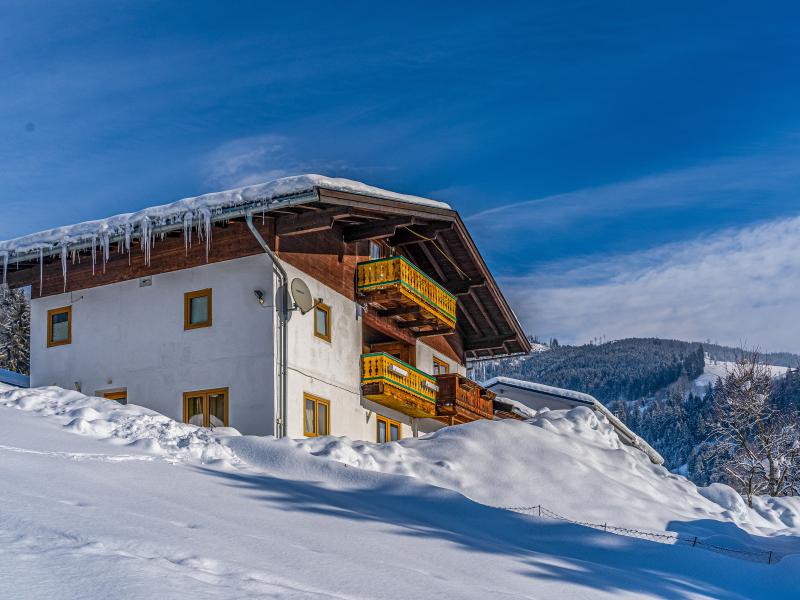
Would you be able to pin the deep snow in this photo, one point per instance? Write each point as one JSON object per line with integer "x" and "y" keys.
{"x": 136, "y": 505}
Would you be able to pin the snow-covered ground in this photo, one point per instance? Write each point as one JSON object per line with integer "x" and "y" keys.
{"x": 718, "y": 369}
{"x": 102, "y": 500}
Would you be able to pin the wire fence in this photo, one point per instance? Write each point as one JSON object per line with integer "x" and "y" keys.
{"x": 662, "y": 537}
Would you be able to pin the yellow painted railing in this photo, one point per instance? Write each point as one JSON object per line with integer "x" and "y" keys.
{"x": 382, "y": 367}
{"x": 396, "y": 272}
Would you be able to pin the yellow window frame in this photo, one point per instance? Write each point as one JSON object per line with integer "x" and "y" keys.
{"x": 50, "y": 314}
{"x": 187, "y": 309}
{"x": 204, "y": 394}
{"x": 388, "y": 422}
{"x": 327, "y": 310}
{"x": 317, "y": 401}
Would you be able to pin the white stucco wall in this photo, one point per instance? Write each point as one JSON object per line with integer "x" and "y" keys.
{"x": 127, "y": 336}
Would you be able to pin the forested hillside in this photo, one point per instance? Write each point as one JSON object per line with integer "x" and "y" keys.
{"x": 621, "y": 370}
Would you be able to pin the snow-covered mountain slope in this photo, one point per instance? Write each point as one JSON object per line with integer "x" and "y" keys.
{"x": 101, "y": 500}
{"x": 718, "y": 369}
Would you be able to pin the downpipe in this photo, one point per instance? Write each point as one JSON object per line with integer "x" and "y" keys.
{"x": 283, "y": 318}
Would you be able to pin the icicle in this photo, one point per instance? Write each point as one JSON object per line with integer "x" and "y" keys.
{"x": 5, "y": 266}
{"x": 104, "y": 239}
{"x": 64, "y": 265}
{"x": 41, "y": 270}
{"x": 206, "y": 216}
{"x": 94, "y": 253}
{"x": 128, "y": 241}
{"x": 144, "y": 229}
{"x": 187, "y": 231}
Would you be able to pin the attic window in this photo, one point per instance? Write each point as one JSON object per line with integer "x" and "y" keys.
{"x": 59, "y": 326}
{"x": 322, "y": 321}
{"x": 197, "y": 309}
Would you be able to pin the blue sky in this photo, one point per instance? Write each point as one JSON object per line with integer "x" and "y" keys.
{"x": 593, "y": 147}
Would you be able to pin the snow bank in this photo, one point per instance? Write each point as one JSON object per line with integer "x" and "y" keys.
{"x": 129, "y": 425}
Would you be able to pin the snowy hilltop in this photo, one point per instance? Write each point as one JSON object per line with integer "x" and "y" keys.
{"x": 105, "y": 500}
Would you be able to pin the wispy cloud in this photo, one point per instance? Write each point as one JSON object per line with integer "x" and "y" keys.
{"x": 735, "y": 285}
{"x": 256, "y": 159}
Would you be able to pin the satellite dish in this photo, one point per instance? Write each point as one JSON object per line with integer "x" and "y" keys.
{"x": 301, "y": 295}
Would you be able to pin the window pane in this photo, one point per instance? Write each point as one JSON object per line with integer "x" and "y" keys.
{"x": 394, "y": 432}
{"x": 381, "y": 431}
{"x": 59, "y": 327}
{"x": 198, "y": 310}
{"x": 322, "y": 419}
{"x": 321, "y": 322}
{"x": 309, "y": 426}
{"x": 194, "y": 410}
{"x": 374, "y": 251}
{"x": 216, "y": 410}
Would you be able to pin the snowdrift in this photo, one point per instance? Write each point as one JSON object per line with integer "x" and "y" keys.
{"x": 212, "y": 514}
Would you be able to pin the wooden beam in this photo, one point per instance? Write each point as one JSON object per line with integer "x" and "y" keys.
{"x": 400, "y": 310}
{"x": 416, "y": 323}
{"x": 462, "y": 287}
{"x": 406, "y": 236}
{"x": 472, "y": 343}
{"x": 439, "y": 331}
{"x": 309, "y": 222}
{"x": 374, "y": 231}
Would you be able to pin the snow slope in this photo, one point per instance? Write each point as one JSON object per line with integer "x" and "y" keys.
{"x": 101, "y": 500}
{"x": 718, "y": 369}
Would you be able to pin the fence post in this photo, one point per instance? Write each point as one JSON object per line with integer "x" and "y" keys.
{"x": 769, "y": 558}
{"x": 694, "y": 543}
{"x": 605, "y": 526}
{"x": 540, "y": 510}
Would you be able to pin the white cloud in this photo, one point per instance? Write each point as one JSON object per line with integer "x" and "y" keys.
{"x": 735, "y": 286}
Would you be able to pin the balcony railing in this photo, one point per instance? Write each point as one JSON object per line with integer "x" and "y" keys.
{"x": 461, "y": 400}
{"x": 401, "y": 289}
{"x": 395, "y": 384}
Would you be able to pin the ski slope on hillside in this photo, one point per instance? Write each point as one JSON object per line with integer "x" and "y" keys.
{"x": 101, "y": 500}
{"x": 718, "y": 369}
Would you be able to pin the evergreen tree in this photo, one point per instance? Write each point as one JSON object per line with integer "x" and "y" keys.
{"x": 15, "y": 319}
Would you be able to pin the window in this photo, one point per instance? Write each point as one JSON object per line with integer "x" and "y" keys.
{"x": 118, "y": 396}
{"x": 316, "y": 416}
{"x": 440, "y": 367}
{"x": 197, "y": 309}
{"x": 206, "y": 408}
{"x": 375, "y": 250}
{"x": 59, "y": 326}
{"x": 388, "y": 430}
{"x": 322, "y": 321}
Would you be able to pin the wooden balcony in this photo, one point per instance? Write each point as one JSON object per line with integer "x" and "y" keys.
{"x": 461, "y": 400}
{"x": 395, "y": 384}
{"x": 398, "y": 289}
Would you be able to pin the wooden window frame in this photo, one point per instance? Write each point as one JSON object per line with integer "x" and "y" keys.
{"x": 327, "y": 310}
{"x": 317, "y": 401}
{"x": 187, "y": 309}
{"x": 438, "y": 362}
{"x": 116, "y": 395}
{"x": 50, "y": 314}
{"x": 205, "y": 394}
{"x": 389, "y": 422}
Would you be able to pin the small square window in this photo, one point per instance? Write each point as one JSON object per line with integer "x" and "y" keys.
{"x": 197, "y": 309}
{"x": 59, "y": 326}
{"x": 375, "y": 250}
{"x": 118, "y": 396}
{"x": 317, "y": 418}
{"x": 322, "y": 322}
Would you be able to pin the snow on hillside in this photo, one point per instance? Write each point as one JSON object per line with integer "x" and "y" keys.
{"x": 718, "y": 369}
{"x": 102, "y": 500}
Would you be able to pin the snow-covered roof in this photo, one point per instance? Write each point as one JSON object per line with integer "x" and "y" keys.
{"x": 199, "y": 210}
{"x": 542, "y": 389}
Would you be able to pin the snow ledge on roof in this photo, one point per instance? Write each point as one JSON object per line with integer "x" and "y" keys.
{"x": 196, "y": 210}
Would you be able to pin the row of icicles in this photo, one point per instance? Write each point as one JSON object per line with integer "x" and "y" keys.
{"x": 102, "y": 242}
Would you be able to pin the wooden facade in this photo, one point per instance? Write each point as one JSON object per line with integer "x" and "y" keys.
{"x": 461, "y": 400}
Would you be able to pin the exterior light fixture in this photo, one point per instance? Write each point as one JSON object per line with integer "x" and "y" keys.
{"x": 260, "y": 295}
